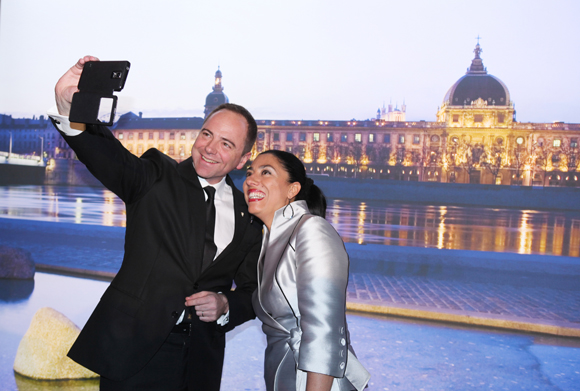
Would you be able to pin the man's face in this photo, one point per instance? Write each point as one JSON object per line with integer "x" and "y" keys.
{"x": 219, "y": 146}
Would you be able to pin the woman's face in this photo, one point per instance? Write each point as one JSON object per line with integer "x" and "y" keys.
{"x": 267, "y": 189}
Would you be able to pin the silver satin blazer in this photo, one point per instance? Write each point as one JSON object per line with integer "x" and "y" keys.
{"x": 301, "y": 300}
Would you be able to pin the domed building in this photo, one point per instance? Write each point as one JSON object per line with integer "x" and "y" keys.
{"x": 477, "y": 99}
{"x": 217, "y": 97}
{"x": 475, "y": 139}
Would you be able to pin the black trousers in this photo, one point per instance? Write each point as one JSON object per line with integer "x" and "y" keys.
{"x": 167, "y": 370}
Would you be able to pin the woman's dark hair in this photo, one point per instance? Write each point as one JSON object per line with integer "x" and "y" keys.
{"x": 309, "y": 192}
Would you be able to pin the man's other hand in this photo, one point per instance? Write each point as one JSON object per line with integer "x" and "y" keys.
{"x": 209, "y": 306}
{"x": 67, "y": 85}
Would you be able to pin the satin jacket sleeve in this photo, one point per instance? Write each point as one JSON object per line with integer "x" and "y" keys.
{"x": 321, "y": 280}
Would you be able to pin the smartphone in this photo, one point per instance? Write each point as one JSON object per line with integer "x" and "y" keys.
{"x": 95, "y": 102}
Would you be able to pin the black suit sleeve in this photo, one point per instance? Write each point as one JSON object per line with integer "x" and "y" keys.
{"x": 126, "y": 175}
{"x": 240, "y": 299}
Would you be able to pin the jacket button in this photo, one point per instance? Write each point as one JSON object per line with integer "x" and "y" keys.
{"x": 195, "y": 286}
{"x": 175, "y": 314}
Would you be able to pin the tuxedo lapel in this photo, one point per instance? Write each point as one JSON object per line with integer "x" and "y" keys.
{"x": 197, "y": 222}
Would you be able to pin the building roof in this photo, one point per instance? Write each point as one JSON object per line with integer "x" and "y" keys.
{"x": 131, "y": 121}
{"x": 477, "y": 83}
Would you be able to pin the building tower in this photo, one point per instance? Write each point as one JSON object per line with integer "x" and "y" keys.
{"x": 217, "y": 97}
{"x": 477, "y": 99}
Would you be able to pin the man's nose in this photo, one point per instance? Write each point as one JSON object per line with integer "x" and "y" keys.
{"x": 210, "y": 147}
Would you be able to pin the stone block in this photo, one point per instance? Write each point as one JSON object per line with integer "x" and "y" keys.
{"x": 16, "y": 263}
{"x": 42, "y": 353}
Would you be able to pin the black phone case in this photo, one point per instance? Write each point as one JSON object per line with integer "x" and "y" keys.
{"x": 98, "y": 80}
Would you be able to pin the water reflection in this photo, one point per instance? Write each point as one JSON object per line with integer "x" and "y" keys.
{"x": 363, "y": 222}
{"x": 81, "y": 205}
{"x": 455, "y": 227}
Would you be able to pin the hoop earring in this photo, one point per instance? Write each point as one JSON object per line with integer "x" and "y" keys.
{"x": 284, "y": 211}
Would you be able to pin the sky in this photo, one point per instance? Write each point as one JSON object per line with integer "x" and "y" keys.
{"x": 300, "y": 59}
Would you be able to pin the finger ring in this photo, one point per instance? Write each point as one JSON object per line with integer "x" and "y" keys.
{"x": 202, "y": 314}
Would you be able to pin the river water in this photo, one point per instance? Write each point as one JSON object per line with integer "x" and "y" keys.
{"x": 376, "y": 222}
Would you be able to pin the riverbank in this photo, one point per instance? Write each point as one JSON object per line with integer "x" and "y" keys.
{"x": 435, "y": 193}
{"x": 532, "y": 293}
{"x": 74, "y": 173}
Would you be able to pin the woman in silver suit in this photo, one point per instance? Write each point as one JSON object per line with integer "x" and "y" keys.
{"x": 302, "y": 279}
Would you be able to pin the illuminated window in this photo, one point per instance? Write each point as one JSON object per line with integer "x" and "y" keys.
{"x": 358, "y": 137}
{"x": 120, "y": 136}
{"x": 520, "y": 140}
{"x": 401, "y": 139}
{"x": 182, "y": 136}
{"x": 434, "y": 138}
{"x": 371, "y": 138}
{"x": 416, "y": 139}
{"x": 289, "y": 149}
{"x": 573, "y": 143}
{"x": 557, "y": 143}
{"x": 316, "y": 137}
{"x": 329, "y": 137}
{"x": 344, "y": 137}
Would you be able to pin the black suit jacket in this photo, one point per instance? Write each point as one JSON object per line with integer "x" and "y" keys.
{"x": 164, "y": 243}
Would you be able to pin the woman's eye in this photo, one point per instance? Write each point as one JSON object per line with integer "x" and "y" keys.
{"x": 248, "y": 173}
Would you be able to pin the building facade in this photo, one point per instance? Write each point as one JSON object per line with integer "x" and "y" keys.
{"x": 475, "y": 139}
{"x": 31, "y": 136}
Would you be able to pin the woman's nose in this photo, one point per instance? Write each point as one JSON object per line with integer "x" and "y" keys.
{"x": 251, "y": 179}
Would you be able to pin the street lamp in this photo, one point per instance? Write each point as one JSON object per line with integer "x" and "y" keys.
{"x": 41, "y": 149}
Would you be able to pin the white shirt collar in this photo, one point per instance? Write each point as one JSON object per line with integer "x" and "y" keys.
{"x": 219, "y": 187}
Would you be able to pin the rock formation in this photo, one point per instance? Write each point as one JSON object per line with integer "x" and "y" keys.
{"x": 16, "y": 263}
{"x": 42, "y": 351}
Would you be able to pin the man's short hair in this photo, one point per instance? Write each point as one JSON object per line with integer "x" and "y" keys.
{"x": 252, "y": 131}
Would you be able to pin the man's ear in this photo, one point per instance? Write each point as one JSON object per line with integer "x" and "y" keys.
{"x": 243, "y": 160}
{"x": 293, "y": 190}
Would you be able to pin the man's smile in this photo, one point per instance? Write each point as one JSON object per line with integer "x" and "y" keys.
{"x": 205, "y": 159}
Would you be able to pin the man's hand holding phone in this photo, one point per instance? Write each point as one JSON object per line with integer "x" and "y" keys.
{"x": 85, "y": 92}
{"x": 67, "y": 85}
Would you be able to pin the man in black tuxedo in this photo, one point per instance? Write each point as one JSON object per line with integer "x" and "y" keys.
{"x": 161, "y": 323}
